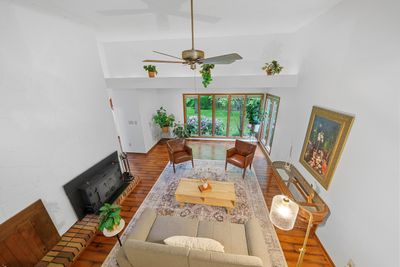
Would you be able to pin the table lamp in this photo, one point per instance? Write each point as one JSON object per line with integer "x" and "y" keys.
{"x": 283, "y": 215}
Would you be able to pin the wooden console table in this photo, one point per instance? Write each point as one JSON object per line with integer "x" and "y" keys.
{"x": 292, "y": 184}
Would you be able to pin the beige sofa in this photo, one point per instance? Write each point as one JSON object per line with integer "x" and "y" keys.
{"x": 144, "y": 247}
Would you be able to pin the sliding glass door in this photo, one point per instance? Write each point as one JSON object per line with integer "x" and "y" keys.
{"x": 271, "y": 113}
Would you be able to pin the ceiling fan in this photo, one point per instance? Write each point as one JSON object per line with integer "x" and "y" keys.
{"x": 193, "y": 56}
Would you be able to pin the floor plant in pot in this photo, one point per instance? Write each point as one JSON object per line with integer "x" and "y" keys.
{"x": 163, "y": 119}
{"x": 272, "y": 68}
{"x": 181, "y": 131}
{"x": 110, "y": 218}
{"x": 254, "y": 115}
{"x": 151, "y": 70}
{"x": 206, "y": 74}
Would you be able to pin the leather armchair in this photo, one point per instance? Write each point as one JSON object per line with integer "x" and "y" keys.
{"x": 179, "y": 152}
{"x": 241, "y": 155}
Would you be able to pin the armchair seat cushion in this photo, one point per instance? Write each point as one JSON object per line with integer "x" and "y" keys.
{"x": 182, "y": 156}
{"x": 237, "y": 160}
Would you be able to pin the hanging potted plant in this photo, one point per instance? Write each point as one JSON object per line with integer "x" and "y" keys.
{"x": 254, "y": 115}
{"x": 272, "y": 68}
{"x": 151, "y": 70}
{"x": 205, "y": 72}
{"x": 110, "y": 219}
{"x": 163, "y": 120}
{"x": 181, "y": 131}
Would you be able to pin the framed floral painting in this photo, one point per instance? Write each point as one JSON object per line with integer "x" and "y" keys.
{"x": 325, "y": 138}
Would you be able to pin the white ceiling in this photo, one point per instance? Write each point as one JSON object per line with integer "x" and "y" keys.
{"x": 157, "y": 19}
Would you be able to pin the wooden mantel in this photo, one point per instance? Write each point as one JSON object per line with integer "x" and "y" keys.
{"x": 219, "y": 82}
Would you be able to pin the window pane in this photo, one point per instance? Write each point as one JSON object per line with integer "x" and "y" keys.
{"x": 273, "y": 123}
{"x": 235, "y": 124}
{"x": 268, "y": 110}
{"x": 251, "y": 102}
{"x": 221, "y": 115}
{"x": 206, "y": 106}
{"x": 191, "y": 105}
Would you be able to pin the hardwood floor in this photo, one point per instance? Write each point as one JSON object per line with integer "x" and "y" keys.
{"x": 149, "y": 167}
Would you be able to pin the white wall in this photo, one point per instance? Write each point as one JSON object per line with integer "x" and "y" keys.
{"x": 124, "y": 59}
{"x": 134, "y": 110}
{"x": 54, "y": 116}
{"x": 348, "y": 61}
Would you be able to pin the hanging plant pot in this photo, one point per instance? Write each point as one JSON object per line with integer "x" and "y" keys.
{"x": 165, "y": 129}
{"x": 151, "y": 70}
{"x": 269, "y": 72}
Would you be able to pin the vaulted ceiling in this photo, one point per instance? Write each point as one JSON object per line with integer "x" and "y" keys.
{"x": 157, "y": 19}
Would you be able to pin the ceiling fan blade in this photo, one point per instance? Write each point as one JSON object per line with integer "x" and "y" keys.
{"x": 163, "y": 61}
{"x": 123, "y": 12}
{"x": 224, "y": 59}
{"x": 164, "y": 54}
{"x": 199, "y": 17}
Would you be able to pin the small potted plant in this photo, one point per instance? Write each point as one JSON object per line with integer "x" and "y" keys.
{"x": 206, "y": 74}
{"x": 181, "y": 131}
{"x": 110, "y": 218}
{"x": 254, "y": 115}
{"x": 272, "y": 68}
{"x": 163, "y": 119}
{"x": 151, "y": 70}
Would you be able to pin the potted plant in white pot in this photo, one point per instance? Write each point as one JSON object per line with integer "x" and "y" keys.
{"x": 254, "y": 114}
{"x": 163, "y": 119}
{"x": 111, "y": 222}
{"x": 272, "y": 68}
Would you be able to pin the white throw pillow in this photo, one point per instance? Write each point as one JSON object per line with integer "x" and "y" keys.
{"x": 200, "y": 243}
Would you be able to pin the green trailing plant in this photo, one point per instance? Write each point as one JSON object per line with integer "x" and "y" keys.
{"x": 109, "y": 216}
{"x": 150, "y": 68}
{"x": 205, "y": 72}
{"x": 163, "y": 119}
{"x": 182, "y": 130}
{"x": 272, "y": 68}
{"x": 253, "y": 112}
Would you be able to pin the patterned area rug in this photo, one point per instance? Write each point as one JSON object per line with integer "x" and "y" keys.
{"x": 250, "y": 202}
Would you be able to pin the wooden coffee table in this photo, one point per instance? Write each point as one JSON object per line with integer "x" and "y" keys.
{"x": 222, "y": 194}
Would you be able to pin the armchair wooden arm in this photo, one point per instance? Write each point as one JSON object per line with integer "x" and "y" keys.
{"x": 188, "y": 149}
{"x": 230, "y": 152}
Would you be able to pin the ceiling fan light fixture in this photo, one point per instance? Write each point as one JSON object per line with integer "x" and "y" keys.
{"x": 192, "y": 54}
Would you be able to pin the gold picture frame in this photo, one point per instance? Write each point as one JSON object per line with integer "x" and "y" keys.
{"x": 326, "y": 136}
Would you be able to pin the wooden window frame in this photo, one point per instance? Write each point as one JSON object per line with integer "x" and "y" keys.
{"x": 228, "y": 95}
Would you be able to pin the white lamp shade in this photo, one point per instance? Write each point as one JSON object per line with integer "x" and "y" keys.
{"x": 283, "y": 212}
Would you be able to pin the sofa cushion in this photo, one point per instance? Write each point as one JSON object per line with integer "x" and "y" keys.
{"x": 256, "y": 243}
{"x": 143, "y": 225}
{"x": 198, "y": 258}
{"x": 231, "y": 235}
{"x": 166, "y": 226}
{"x": 200, "y": 243}
{"x": 146, "y": 254}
